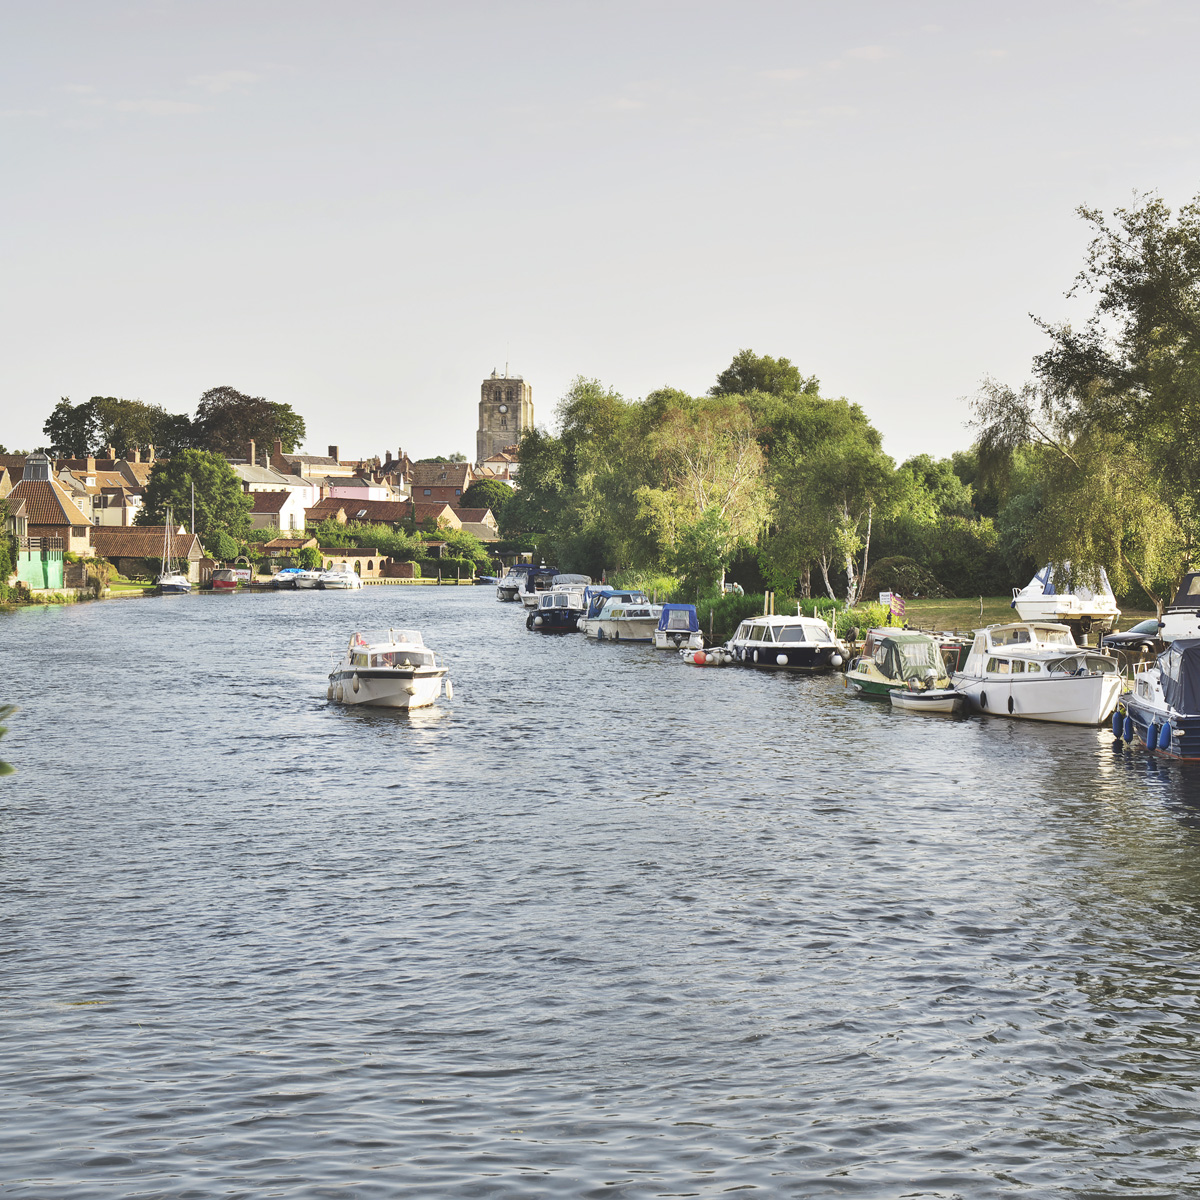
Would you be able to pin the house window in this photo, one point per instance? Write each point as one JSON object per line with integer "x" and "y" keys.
{"x": 428, "y": 492}
{"x": 78, "y": 530}
{"x": 370, "y": 565}
{"x": 458, "y": 491}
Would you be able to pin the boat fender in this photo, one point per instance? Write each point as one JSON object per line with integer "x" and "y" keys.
{"x": 700, "y": 658}
{"x": 329, "y": 692}
{"x": 756, "y": 656}
{"x": 837, "y": 660}
{"x": 781, "y": 659}
{"x": 354, "y": 683}
{"x": 449, "y": 690}
{"x": 1164, "y": 738}
{"x": 616, "y": 637}
{"x": 1152, "y": 735}
{"x": 537, "y": 620}
{"x": 529, "y": 621}
{"x": 983, "y": 701}
{"x": 338, "y": 693}
{"x": 1011, "y": 706}
{"x": 1128, "y": 730}
{"x": 1117, "y": 722}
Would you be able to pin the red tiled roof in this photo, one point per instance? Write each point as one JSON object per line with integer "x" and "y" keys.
{"x": 441, "y": 475}
{"x": 48, "y": 503}
{"x": 477, "y": 516}
{"x": 269, "y": 502}
{"x": 141, "y": 541}
{"x": 351, "y": 551}
{"x": 384, "y": 511}
{"x": 289, "y": 543}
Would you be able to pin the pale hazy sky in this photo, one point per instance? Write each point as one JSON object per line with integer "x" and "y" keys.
{"x": 361, "y": 208}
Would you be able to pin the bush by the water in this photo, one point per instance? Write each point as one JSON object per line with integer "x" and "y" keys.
{"x": 450, "y": 568}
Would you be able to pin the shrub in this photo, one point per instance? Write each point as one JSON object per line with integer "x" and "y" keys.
{"x": 449, "y": 567}
{"x": 903, "y": 575}
{"x": 726, "y": 613}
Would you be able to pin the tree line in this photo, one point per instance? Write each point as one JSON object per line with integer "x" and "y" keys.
{"x": 225, "y": 422}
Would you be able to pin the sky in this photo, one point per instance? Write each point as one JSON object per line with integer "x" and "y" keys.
{"x": 362, "y": 209}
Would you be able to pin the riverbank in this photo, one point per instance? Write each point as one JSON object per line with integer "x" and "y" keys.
{"x": 967, "y": 615}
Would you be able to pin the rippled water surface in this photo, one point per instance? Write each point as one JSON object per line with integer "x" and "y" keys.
{"x": 604, "y": 925}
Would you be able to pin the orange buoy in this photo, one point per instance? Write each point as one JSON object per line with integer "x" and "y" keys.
{"x": 699, "y": 658}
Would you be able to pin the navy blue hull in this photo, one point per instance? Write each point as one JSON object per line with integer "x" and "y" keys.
{"x": 555, "y": 620}
{"x": 799, "y": 657}
{"x": 1185, "y": 731}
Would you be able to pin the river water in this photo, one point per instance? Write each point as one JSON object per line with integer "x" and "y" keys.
{"x": 604, "y": 925}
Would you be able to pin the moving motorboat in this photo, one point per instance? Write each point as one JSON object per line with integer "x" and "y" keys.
{"x": 678, "y": 627}
{"x": 389, "y": 668}
{"x": 342, "y": 578}
{"x": 560, "y": 608}
{"x": 787, "y": 644}
{"x": 897, "y": 659}
{"x": 620, "y": 616}
{"x": 1035, "y": 671}
{"x": 1163, "y": 709}
{"x": 1084, "y": 609}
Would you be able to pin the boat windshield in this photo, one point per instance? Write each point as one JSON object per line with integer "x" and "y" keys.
{"x": 1082, "y": 664}
{"x": 370, "y": 638}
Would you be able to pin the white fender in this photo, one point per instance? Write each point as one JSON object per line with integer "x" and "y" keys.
{"x": 354, "y": 683}
{"x": 338, "y": 693}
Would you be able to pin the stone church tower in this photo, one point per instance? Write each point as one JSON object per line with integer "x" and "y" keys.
{"x": 505, "y": 412}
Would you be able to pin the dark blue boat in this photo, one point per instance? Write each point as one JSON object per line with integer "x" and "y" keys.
{"x": 1163, "y": 710}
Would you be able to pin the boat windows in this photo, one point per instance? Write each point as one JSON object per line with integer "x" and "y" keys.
{"x": 1011, "y": 637}
{"x": 1018, "y": 667}
{"x": 1194, "y": 586}
{"x": 792, "y": 633}
{"x": 1033, "y": 668}
{"x": 980, "y": 646}
{"x": 679, "y": 618}
{"x": 997, "y": 666}
{"x": 740, "y": 636}
{"x": 758, "y": 633}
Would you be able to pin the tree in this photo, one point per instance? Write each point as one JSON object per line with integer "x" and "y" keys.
{"x": 78, "y": 430}
{"x": 487, "y": 493}
{"x": 72, "y": 429}
{"x": 222, "y": 546}
{"x": 221, "y": 505}
{"x": 750, "y": 372}
{"x": 228, "y": 420}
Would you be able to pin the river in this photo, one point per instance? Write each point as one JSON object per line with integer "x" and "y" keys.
{"x": 603, "y": 925}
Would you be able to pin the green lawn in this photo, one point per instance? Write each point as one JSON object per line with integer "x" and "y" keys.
{"x": 964, "y": 615}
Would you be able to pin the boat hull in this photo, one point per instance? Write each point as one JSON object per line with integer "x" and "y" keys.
{"x": 1184, "y": 743}
{"x": 386, "y": 687}
{"x": 174, "y": 589}
{"x": 664, "y": 639}
{"x": 939, "y": 700}
{"x": 631, "y": 629}
{"x": 800, "y": 657}
{"x": 506, "y": 592}
{"x": 1069, "y": 700}
{"x": 1067, "y": 610}
{"x": 554, "y": 620}
{"x": 872, "y": 688}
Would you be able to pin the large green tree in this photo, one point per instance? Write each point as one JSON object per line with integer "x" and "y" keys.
{"x": 750, "y": 372}
{"x": 487, "y": 493}
{"x": 221, "y": 505}
{"x": 75, "y": 430}
{"x": 228, "y": 420}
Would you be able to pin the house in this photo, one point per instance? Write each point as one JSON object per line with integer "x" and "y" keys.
{"x": 267, "y": 479}
{"x": 277, "y": 510}
{"x": 435, "y": 513}
{"x": 502, "y": 465}
{"x": 39, "y": 562}
{"x": 440, "y": 482}
{"x": 480, "y": 522}
{"x": 129, "y": 549}
{"x": 310, "y": 465}
{"x": 50, "y": 510}
{"x": 363, "y": 559}
{"x": 369, "y": 512}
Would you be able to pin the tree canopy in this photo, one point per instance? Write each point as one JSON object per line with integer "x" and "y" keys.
{"x": 487, "y": 493}
{"x": 750, "y": 372}
{"x": 221, "y": 505}
{"x": 228, "y": 420}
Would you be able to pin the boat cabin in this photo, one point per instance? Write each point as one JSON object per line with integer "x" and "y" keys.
{"x": 1187, "y": 598}
{"x": 790, "y": 630}
{"x": 388, "y": 648}
{"x": 678, "y": 618}
{"x": 1033, "y": 648}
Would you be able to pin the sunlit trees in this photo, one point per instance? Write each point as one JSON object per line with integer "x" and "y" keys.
{"x": 221, "y": 505}
{"x": 228, "y": 420}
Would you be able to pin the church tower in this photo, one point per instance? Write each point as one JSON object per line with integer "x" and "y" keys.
{"x": 505, "y": 412}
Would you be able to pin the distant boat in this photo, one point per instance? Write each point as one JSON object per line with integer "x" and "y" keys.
{"x": 224, "y": 580}
{"x": 170, "y": 581}
{"x": 342, "y": 578}
{"x": 1083, "y": 609}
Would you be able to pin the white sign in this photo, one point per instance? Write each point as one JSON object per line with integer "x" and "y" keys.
{"x": 885, "y": 598}
{"x": 243, "y": 574}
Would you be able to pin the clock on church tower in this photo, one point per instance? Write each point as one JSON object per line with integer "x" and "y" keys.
{"x": 505, "y": 412}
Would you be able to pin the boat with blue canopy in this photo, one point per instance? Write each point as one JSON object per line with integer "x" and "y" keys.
{"x": 1083, "y": 609}
{"x": 1163, "y": 709}
{"x": 678, "y": 627}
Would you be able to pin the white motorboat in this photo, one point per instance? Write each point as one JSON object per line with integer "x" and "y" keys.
{"x": 388, "y": 668}
{"x": 1085, "y": 608}
{"x": 522, "y": 578}
{"x": 678, "y": 628}
{"x": 342, "y": 578}
{"x": 307, "y": 579}
{"x": 786, "y": 644}
{"x": 626, "y": 616}
{"x": 1034, "y": 670}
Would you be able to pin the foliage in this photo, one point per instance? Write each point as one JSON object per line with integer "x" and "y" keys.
{"x": 724, "y": 613}
{"x": 222, "y": 546}
{"x": 487, "y": 493}
{"x": 750, "y": 372}
{"x": 450, "y": 567}
{"x": 461, "y": 543}
{"x": 861, "y": 617}
{"x": 308, "y": 558}
{"x": 8, "y": 552}
{"x": 6, "y": 711}
{"x": 92, "y": 426}
{"x": 220, "y": 502}
{"x": 100, "y": 574}
{"x": 903, "y": 575}
{"x": 653, "y": 583}
{"x": 228, "y": 420}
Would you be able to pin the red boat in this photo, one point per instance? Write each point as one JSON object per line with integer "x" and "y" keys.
{"x": 224, "y": 580}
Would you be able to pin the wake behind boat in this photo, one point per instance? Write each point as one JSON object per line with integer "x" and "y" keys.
{"x": 388, "y": 668}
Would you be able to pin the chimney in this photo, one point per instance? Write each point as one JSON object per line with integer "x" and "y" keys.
{"x": 389, "y": 457}
{"x": 112, "y": 454}
{"x": 297, "y": 468}
{"x": 252, "y": 452}
{"x": 333, "y": 453}
{"x": 150, "y": 453}
{"x": 91, "y": 464}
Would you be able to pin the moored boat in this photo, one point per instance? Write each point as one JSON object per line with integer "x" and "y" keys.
{"x": 342, "y": 578}
{"x": 388, "y": 668}
{"x": 307, "y": 579}
{"x": 560, "y": 608}
{"x": 620, "y": 616}
{"x": 170, "y": 581}
{"x": 786, "y": 644}
{"x": 1033, "y": 670}
{"x": 897, "y": 659}
{"x": 224, "y": 580}
{"x": 934, "y": 700}
{"x": 1163, "y": 709}
{"x": 678, "y": 628}
{"x": 1181, "y": 618}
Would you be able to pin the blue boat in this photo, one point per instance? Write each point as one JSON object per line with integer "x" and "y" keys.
{"x": 678, "y": 628}
{"x": 560, "y": 608}
{"x": 1163, "y": 710}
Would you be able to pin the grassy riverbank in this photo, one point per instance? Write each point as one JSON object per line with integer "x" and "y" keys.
{"x": 965, "y": 615}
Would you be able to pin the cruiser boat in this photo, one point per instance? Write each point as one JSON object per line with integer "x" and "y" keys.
{"x": 626, "y": 616}
{"x": 894, "y": 660}
{"x": 539, "y": 580}
{"x": 1181, "y": 618}
{"x": 224, "y": 580}
{"x": 516, "y": 580}
{"x": 388, "y": 668}
{"x": 678, "y": 628}
{"x": 1163, "y": 710}
{"x": 1035, "y": 671}
{"x": 560, "y": 608}
{"x": 787, "y": 644}
{"x": 341, "y": 578}
{"x": 1084, "y": 609}
{"x": 307, "y": 579}
{"x": 285, "y": 578}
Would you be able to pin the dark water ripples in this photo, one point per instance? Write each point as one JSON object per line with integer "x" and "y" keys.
{"x": 604, "y": 925}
